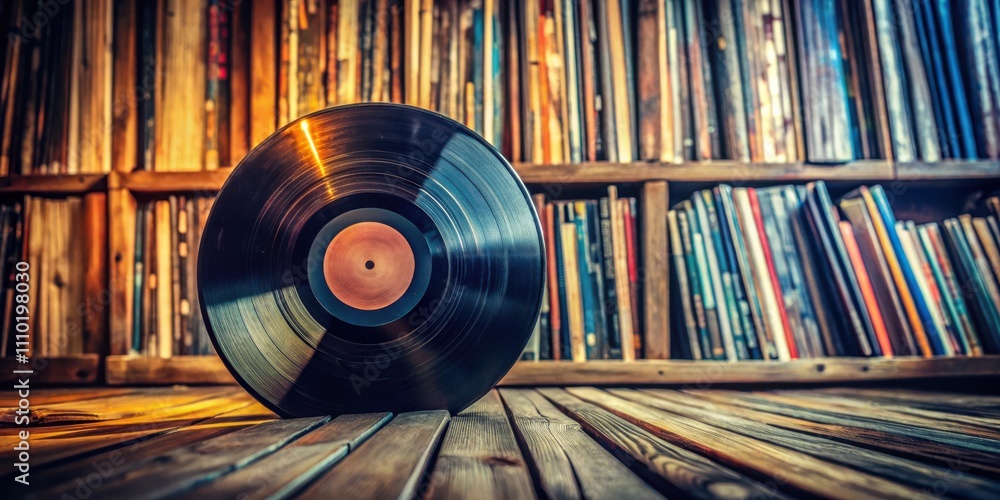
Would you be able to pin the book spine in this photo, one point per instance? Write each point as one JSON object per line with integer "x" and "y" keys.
{"x": 590, "y": 309}
{"x": 684, "y": 216}
{"x": 708, "y": 287}
{"x": 763, "y": 286}
{"x": 868, "y": 293}
{"x": 594, "y": 266}
{"x": 578, "y": 346}
{"x": 947, "y": 292}
{"x": 754, "y": 331}
{"x": 564, "y": 343}
{"x": 944, "y": 343}
{"x": 555, "y": 311}
{"x": 683, "y": 288}
{"x": 785, "y": 342}
{"x": 731, "y": 331}
{"x": 610, "y": 298}
{"x": 927, "y": 330}
{"x": 621, "y": 273}
{"x": 935, "y": 241}
{"x": 631, "y": 248}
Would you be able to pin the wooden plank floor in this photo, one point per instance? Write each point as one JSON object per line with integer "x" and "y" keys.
{"x": 580, "y": 442}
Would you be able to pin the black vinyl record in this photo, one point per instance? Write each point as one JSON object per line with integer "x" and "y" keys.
{"x": 372, "y": 257}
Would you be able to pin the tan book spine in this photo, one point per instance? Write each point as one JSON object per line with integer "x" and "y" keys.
{"x": 533, "y": 118}
{"x": 347, "y": 52}
{"x": 773, "y": 329}
{"x": 180, "y": 129}
{"x": 623, "y": 115}
{"x": 164, "y": 289}
{"x": 574, "y": 300}
{"x": 263, "y": 71}
{"x": 989, "y": 245}
{"x": 920, "y": 274}
{"x": 622, "y": 291}
{"x": 905, "y": 294}
{"x": 980, "y": 257}
{"x": 426, "y": 30}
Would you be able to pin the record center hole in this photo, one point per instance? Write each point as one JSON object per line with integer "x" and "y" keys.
{"x": 369, "y": 265}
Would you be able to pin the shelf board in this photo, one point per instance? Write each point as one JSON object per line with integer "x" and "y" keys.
{"x": 128, "y": 370}
{"x": 945, "y": 170}
{"x": 53, "y": 184}
{"x": 151, "y": 181}
{"x": 77, "y": 369}
{"x": 725, "y": 171}
{"x": 685, "y": 372}
{"x": 734, "y": 172}
{"x": 191, "y": 370}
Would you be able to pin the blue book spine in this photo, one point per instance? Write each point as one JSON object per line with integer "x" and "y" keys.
{"x": 911, "y": 281}
{"x": 586, "y": 285}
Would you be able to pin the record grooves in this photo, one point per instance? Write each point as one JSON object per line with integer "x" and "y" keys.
{"x": 373, "y": 257}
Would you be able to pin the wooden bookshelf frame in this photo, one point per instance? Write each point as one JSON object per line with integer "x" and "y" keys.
{"x": 121, "y": 188}
{"x": 131, "y": 370}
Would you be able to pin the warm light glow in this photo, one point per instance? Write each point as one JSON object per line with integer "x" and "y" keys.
{"x": 312, "y": 146}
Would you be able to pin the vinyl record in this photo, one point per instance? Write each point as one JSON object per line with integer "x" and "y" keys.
{"x": 372, "y": 257}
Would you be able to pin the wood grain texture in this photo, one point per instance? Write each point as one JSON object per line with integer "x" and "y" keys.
{"x": 778, "y": 466}
{"x": 125, "y": 109}
{"x": 168, "y": 413}
{"x": 263, "y": 70}
{"x": 121, "y": 269}
{"x": 287, "y": 470}
{"x": 972, "y": 435}
{"x": 121, "y": 370}
{"x": 184, "y": 468}
{"x": 707, "y": 373}
{"x": 479, "y": 456}
{"x": 656, "y": 270}
{"x": 53, "y": 184}
{"x": 390, "y": 465}
{"x": 818, "y": 413}
{"x": 670, "y": 467}
{"x": 904, "y": 445}
{"x": 565, "y": 461}
{"x": 92, "y": 322}
{"x": 69, "y": 369}
{"x": 902, "y": 470}
{"x": 967, "y": 424}
{"x": 61, "y": 479}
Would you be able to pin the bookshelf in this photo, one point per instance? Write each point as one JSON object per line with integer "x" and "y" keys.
{"x": 119, "y": 368}
{"x": 260, "y": 95}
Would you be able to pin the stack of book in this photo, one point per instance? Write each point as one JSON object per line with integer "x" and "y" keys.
{"x": 55, "y": 96}
{"x": 167, "y": 319}
{"x": 52, "y": 236}
{"x": 591, "y": 307}
{"x": 778, "y": 273}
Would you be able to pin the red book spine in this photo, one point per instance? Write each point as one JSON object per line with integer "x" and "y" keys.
{"x": 793, "y": 351}
{"x": 555, "y": 319}
{"x": 633, "y": 272}
{"x": 867, "y": 292}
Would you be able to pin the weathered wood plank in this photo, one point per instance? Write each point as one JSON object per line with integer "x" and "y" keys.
{"x": 707, "y": 373}
{"x": 390, "y": 465}
{"x": 565, "y": 461}
{"x": 110, "y": 407}
{"x": 955, "y": 457}
{"x": 172, "y": 402}
{"x": 919, "y": 398}
{"x": 784, "y": 467}
{"x": 287, "y": 470}
{"x": 903, "y": 470}
{"x": 63, "y": 370}
{"x": 53, "y": 395}
{"x": 57, "y": 446}
{"x": 182, "y": 469}
{"x": 985, "y": 426}
{"x": 479, "y": 456}
{"x": 671, "y": 468}
{"x": 92, "y": 470}
{"x": 881, "y": 420}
